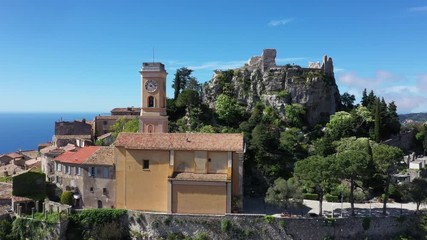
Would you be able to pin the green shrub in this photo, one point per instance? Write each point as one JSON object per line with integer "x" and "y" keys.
{"x": 311, "y": 196}
{"x": 331, "y": 198}
{"x": 67, "y": 198}
{"x": 225, "y": 225}
{"x": 394, "y": 193}
{"x": 201, "y": 236}
{"x": 283, "y": 94}
{"x": 88, "y": 224}
{"x": 360, "y": 197}
{"x": 5, "y": 229}
{"x": 269, "y": 219}
{"x": 30, "y": 184}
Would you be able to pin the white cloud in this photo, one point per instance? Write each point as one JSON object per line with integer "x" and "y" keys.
{"x": 275, "y": 23}
{"x": 408, "y": 95}
{"x": 407, "y": 103}
{"x": 418, "y": 9}
{"x": 351, "y": 79}
{"x": 401, "y": 90}
{"x": 422, "y": 82}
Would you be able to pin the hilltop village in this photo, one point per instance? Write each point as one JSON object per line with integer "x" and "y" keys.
{"x": 223, "y": 148}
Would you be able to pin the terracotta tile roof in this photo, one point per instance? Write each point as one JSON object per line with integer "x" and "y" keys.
{"x": 5, "y": 190}
{"x": 182, "y": 141}
{"x": 211, "y": 177}
{"x": 79, "y": 156}
{"x": 103, "y": 156}
{"x": 129, "y": 109}
{"x": 115, "y": 117}
{"x": 15, "y": 155}
{"x": 32, "y": 162}
{"x": 48, "y": 149}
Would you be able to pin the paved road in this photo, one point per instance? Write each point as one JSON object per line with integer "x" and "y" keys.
{"x": 363, "y": 209}
{"x": 257, "y": 206}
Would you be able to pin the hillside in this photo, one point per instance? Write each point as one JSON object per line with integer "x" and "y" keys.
{"x": 418, "y": 117}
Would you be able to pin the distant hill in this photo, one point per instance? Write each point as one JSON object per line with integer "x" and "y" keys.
{"x": 419, "y": 117}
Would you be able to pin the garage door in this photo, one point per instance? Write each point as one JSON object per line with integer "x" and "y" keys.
{"x": 210, "y": 199}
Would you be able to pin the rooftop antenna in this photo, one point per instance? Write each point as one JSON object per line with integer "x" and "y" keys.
{"x": 153, "y": 54}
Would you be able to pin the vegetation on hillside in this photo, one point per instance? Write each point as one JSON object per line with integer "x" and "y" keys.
{"x": 345, "y": 155}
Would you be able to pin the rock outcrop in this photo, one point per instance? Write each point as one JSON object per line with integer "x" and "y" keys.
{"x": 262, "y": 80}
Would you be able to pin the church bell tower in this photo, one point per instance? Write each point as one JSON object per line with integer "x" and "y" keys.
{"x": 153, "y": 117}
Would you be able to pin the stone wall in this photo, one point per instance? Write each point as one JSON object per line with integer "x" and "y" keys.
{"x": 154, "y": 226}
{"x": 73, "y": 128}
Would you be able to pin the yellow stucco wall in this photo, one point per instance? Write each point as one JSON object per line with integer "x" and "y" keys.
{"x": 184, "y": 161}
{"x": 218, "y": 162}
{"x": 140, "y": 189}
{"x": 206, "y": 199}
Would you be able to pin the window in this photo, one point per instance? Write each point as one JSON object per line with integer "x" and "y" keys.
{"x": 67, "y": 169}
{"x": 105, "y": 122}
{"x": 91, "y": 189}
{"x": 150, "y": 101}
{"x": 58, "y": 167}
{"x": 146, "y": 164}
{"x": 92, "y": 172}
{"x": 104, "y": 191}
{"x": 106, "y": 172}
{"x": 78, "y": 171}
{"x": 150, "y": 128}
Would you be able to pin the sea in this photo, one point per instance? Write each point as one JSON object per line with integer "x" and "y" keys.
{"x": 25, "y": 131}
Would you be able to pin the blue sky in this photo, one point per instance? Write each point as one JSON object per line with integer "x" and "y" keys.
{"x": 84, "y": 56}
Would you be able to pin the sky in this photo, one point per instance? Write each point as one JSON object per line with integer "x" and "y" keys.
{"x": 85, "y": 55}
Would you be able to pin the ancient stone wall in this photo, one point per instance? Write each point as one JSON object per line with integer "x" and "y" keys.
{"x": 152, "y": 226}
{"x": 268, "y": 59}
{"x": 73, "y": 128}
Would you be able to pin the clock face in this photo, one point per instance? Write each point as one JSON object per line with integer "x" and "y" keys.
{"x": 151, "y": 86}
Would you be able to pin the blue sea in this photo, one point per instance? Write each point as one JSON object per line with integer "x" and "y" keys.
{"x": 24, "y": 131}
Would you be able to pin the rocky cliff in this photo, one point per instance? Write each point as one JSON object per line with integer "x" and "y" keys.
{"x": 262, "y": 80}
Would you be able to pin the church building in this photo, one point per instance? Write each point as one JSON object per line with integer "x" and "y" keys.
{"x": 175, "y": 172}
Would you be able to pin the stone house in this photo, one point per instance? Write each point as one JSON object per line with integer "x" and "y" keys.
{"x": 73, "y": 128}
{"x": 5, "y": 159}
{"x": 78, "y": 140}
{"x": 179, "y": 172}
{"x": 47, "y": 156}
{"x": 89, "y": 173}
{"x": 17, "y": 159}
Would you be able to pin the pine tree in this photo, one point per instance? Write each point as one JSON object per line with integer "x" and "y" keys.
{"x": 377, "y": 132}
{"x": 364, "y": 98}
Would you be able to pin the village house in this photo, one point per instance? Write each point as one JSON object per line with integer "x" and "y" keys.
{"x": 89, "y": 173}
{"x": 103, "y": 124}
{"x": 152, "y": 170}
{"x": 78, "y": 133}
